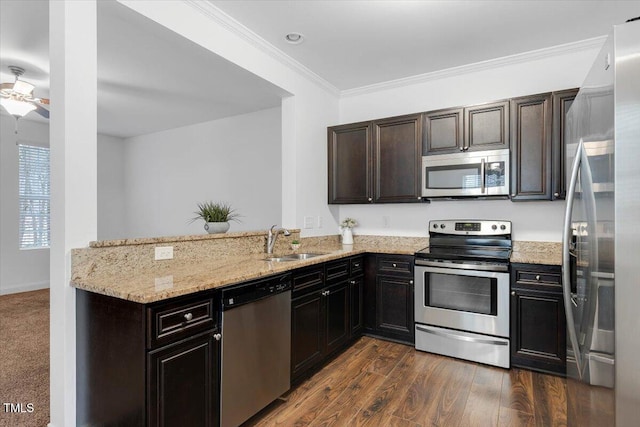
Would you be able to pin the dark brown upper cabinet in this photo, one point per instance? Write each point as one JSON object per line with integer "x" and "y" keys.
{"x": 350, "y": 163}
{"x": 486, "y": 126}
{"x": 561, "y": 103}
{"x": 478, "y": 127}
{"x": 443, "y": 131}
{"x": 397, "y": 159}
{"x": 375, "y": 162}
{"x": 531, "y": 176}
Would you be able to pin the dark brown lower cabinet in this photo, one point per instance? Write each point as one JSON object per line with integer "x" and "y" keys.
{"x": 337, "y": 316}
{"x": 307, "y": 333}
{"x": 147, "y": 364}
{"x": 182, "y": 383}
{"x": 538, "y": 325}
{"x": 394, "y": 307}
{"x": 356, "y": 290}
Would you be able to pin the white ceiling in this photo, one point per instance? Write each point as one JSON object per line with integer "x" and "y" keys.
{"x": 357, "y": 43}
{"x": 151, "y": 79}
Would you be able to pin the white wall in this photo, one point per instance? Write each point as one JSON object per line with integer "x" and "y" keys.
{"x": 236, "y": 160}
{"x": 111, "y": 188}
{"x": 20, "y": 270}
{"x": 541, "y": 220}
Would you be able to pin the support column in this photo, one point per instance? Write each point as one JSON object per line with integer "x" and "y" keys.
{"x": 73, "y": 131}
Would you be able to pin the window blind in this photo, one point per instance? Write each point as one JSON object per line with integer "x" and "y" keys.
{"x": 34, "y": 191}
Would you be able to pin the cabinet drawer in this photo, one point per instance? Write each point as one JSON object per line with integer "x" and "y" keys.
{"x": 337, "y": 270}
{"x": 395, "y": 265}
{"x": 173, "y": 321}
{"x": 532, "y": 276}
{"x": 307, "y": 280}
{"x": 357, "y": 266}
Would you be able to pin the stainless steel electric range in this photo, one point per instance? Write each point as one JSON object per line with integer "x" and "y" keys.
{"x": 462, "y": 291}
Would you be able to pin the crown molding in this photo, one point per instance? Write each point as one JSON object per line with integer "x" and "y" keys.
{"x": 229, "y": 23}
{"x": 533, "y": 55}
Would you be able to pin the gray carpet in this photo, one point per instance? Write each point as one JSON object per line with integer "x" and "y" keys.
{"x": 24, "y": 359}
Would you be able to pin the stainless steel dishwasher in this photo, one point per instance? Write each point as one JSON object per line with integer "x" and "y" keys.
{"x": 256, "y": 347}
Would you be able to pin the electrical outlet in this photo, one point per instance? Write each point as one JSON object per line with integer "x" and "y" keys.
{"x": 308, "y": 222}
{"x": 164, "y": 252}
{"x": 386, "y": 221}
{"x": 320, "y": 221}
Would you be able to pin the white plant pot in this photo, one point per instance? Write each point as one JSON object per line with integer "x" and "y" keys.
{"x": 347, "y": 236}
{"x": 295, "y": 246}
{"x": 217, "y": 227}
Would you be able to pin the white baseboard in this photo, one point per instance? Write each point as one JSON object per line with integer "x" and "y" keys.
{"x": 14, "y": 289}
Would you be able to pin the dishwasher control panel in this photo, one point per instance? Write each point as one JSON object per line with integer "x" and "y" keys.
{"x": 255, "y": 290}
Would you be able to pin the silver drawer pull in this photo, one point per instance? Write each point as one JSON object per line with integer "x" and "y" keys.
{"x": 217, "y": 337}
{"x": 394, "y": 265}
{"x": 353, "y": 282}
{"x": 356, "y": 264}
{"x": 188, "y": 316}
{"x": 462, "y": 337}
{"x": 538, "y": 277}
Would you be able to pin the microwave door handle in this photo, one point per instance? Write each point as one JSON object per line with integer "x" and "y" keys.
{"x": 482, "y": 177}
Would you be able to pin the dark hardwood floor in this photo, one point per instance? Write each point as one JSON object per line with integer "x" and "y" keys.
{"x": 380, "y": 383}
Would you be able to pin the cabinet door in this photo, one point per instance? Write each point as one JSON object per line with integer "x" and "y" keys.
{"x": 394, "y": 308}
{"x": 531, "y": 148}
{"x": 397, "y": 159}
{"x": 350, "y": 176}
{"x": 486, "y": 126}
{"x": 337, "y": 316}
{"x": 182, "y": 383}
{"x": 356, "y": 286}
{"x": 307, "y": 332}
{"x": 443, "y": 131}
{"x": 561, "y": 103}
{"x": 538, "y": 330}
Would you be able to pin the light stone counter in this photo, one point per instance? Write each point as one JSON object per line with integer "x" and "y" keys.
{"x": 126, "y": 269}
{"x": 129, "y": 272}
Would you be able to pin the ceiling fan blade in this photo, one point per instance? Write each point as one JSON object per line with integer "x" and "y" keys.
{"x": 6, "y": 86}
{"x": 44, "y": 101}
{"x": 42, "y": 111}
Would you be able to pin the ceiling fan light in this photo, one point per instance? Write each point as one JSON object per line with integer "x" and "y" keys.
{"x": 17, "y": 108}
{"x": 22, "y": 87}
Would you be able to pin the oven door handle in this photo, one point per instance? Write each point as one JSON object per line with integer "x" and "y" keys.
{"x": 461, "y": 337}
{"x": 482, "y": 177}
{"x": 454, "y": 265}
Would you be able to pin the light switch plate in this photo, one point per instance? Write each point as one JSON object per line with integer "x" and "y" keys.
{"x": 308, "y": 222}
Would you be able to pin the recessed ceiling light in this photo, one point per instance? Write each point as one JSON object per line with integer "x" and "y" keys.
{"x": 294, "y": 38}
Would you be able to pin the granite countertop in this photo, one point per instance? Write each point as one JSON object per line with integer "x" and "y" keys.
{"x": 146, "y": 282}
{"x": 171, "y": 279}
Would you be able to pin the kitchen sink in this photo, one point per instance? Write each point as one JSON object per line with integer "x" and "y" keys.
{"x": 293, "y": 257}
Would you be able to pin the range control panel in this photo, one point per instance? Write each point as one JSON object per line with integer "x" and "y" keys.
{"x": 470, "y": 227}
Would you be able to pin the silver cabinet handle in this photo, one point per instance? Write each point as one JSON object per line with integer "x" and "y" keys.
{"x": 513, "y": 293}
{"x": 394, "y": 265}
{"x": 217, "y": 337}
{"x": 513, "y": 194}
{"x": 538, "y": 277}
{"x": 370, "y": 199}
{"x": 357, "y": 264}
{"x": 461, "y": 148}
{"x": 188, "y": 316}
{"x": 556, "y": 194}
{"x": 411, "y": 282}
{"x": 353, "y": 282}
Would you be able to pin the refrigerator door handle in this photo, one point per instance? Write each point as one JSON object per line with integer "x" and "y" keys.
{"x": 566, "y": 266}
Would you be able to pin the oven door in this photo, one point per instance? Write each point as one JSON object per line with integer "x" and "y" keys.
{"x": 466, "y": 174}
{"x": 463, "y": 299}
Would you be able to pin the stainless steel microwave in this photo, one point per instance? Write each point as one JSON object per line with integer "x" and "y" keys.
{"x": 468, "y": 174}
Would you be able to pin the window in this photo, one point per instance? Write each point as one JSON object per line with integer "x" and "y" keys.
{"x": 33, "y": 192}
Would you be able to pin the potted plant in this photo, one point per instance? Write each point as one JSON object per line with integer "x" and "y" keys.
{"x": 295, "y": 245}
{"x": 347, "y": 235}
{"x": 216, "y": 216}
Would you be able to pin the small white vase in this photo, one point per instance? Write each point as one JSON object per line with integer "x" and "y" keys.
{"x": 217, "y": 227}
{"x": 347, "y": 236}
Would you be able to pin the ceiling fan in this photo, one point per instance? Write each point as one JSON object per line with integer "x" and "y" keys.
{"x": 17, "y": 97}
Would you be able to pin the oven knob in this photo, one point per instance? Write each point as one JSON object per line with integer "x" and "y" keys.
{"x": 435, "y": 225}
{"x": 494, "y": 227}
{"x": 442, "y": 226}
{"x": 503, "y": 227}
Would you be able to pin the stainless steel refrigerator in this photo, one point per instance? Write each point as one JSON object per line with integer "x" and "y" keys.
{"x": 601, "y": 241}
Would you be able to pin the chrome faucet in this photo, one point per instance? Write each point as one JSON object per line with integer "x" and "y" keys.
{"x": 272, "y": 235}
